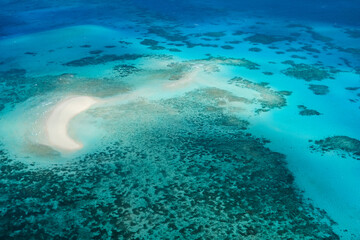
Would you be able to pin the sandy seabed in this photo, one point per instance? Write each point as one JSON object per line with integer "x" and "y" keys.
{"x": 59, "y": 118}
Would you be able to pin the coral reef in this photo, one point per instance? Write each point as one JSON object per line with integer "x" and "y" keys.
{"x": 319, "y": 89}
{"x": 125, "y": 70}
{"x": 306, "y": 72}
{"x": 255, "y": 49}
{"x": 169, "y": 33}
{"x": 310, "y": 49}
{"x": 353, "y": 33}
{"x": 238, "y": 33}
{"x": 266, "y": 39}
{"x": 319, "y": 37}
{"x": 297, "y": 56}
{"x": 214, "y": 34}
{"x": 304, "y": 111}
{"x": 340, "y": 144}
{"x": 189, "y": 174}
{"x": 191, "y": 44}
{"x": 238, "y": 62}
{"x": 149, "y": 42}
{"x": 95, "y": 60}
{"x": 268, "y": 99}
{"x": 228, "y": 47}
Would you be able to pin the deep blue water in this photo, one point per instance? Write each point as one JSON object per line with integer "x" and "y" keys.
{"x": 24, "y": 16}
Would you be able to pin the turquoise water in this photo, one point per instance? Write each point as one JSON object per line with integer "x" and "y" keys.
{"x": 214, "y": 120}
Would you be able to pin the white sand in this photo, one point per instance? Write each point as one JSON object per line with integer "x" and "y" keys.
{"x": 58, "y": 121}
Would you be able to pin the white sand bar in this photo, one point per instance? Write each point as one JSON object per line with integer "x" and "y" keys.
{"x": 58, "y": 121}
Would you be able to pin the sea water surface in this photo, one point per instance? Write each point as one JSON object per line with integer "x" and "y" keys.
{"x": 211, "y": 119}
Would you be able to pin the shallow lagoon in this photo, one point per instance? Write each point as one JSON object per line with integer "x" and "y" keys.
{"x": 196, "y": 134}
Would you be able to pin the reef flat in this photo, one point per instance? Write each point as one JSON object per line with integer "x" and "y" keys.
{"x": 203, "y": 178}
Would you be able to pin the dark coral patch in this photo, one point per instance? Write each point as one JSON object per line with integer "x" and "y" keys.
{"x": 268, "y": 73}
{"x": 353, "y": 33}
{"x": 31, "y": 53}
{"x": 339, "y": 144}
{"x": 125, "y": 70}
{"x": 297, "y": 56}
{"x": 124, "y": 42}
{"x": 266, "y": 39}
{"x": 238, "y": 33}
{"x": 352, "y": 88}
{"x": 255, "y": 49}
{"x": 304, "y": 111}
{"x": 169, "y": 33}
{"x": 191, "y": 44}
{"x": 228, "y": 47}
{"x": 319, "y": 89}
{"x": 95, "y": 60}
{"x": 174, "y": 50}
{"x": 310, "y": 49}
{"x": 214, "y": 34}
{"x": 149, "y": 42}
{"x": 306, "y": 72}
{"x": 319, "y": 37}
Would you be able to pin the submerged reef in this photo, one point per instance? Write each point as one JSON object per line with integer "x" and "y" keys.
{"x": 266, "y": 39}
{"x": 168, "y": 150}
{"x": 306, "y": 72}
{"x": 354, "y": 91}
{"x": 255, "y": 49}
{"x": 298, "y": 57}
{"x": 238, "y": 33}
{"x": 319, "y": 89}
{"x": 149, "y": 42}
{"x": 296, "y": 25}
{"x": 191, "y": 44}
{"x": 125, "y": 70}
{"x": 18, "y": 87}
{"x": 13, "y": 76}
{"x": 268, "y": 73}
{"x": 319, "y": 37}
{"x": 152, "y": 44}
{"x": 352, "y": 88}
{"x": 268, "y": 99}
{"x": 355, "y": 51}
{"x": 353, "y": 33}
{"x": 101, "y": 59}
{"x": 211, "y": 64}
{"x": 228, "y": 47}
{"x": 184, "y": 169}
{"x": 238, "y": 62}
{"x": 304, "y": 111}
{"x": 309, "y": 48}
{"x": 339, "y": 144}
{"x": 96, "y": 51}
{"x": 214, "y": 34}
{"x": 169, "y": 33}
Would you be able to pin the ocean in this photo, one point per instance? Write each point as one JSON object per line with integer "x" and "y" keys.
{"x": 187, "y": 119}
